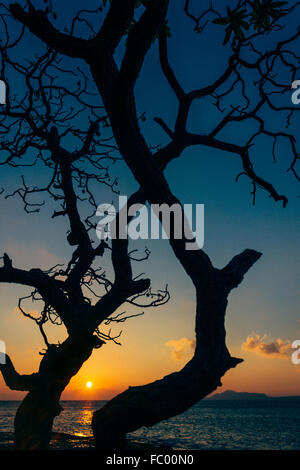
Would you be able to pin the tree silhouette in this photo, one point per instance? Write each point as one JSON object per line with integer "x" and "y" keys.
{"x": 45, "y": 127}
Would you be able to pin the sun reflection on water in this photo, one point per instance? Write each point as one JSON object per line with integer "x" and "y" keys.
{"x": 77, "y": 418}
{"x": 84, "y": 422}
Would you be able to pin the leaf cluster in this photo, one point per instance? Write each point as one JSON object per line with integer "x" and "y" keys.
{"x": 239, "y": 20}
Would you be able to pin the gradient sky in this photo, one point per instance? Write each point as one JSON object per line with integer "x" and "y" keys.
{"x": 265, "y": 307}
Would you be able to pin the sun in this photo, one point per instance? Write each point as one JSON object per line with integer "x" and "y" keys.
{"x": 89, "y": 384}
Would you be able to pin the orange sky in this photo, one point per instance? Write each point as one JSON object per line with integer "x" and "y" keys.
{"x": 146, "y": 353}
{"x": 142, "y": 359}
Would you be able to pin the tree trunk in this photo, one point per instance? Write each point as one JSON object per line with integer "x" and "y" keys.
{"x": 149, "y": 404}
{"x": 35, "y": 416}
{"x": 34, "y": 421}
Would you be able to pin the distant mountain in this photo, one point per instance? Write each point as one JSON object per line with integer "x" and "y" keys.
{"x": 231, "y": 395}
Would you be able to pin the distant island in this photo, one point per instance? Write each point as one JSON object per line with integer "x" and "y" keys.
{"x": 232, "y": 395}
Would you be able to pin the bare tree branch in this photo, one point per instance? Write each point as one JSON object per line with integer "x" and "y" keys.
{"x": 16, "y": 381}
{"x": 38, "y": 23}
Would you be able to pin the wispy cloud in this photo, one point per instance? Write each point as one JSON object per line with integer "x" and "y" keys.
{"x": 29, "y": 256}
{"x": 259, "y": 345}
{"x": 180, "y": 347}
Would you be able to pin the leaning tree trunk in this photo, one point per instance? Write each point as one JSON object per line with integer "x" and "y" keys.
{"x": 34, "y": 419}
{"x": 149, "y": 404}
{"x": 35, "y": 416}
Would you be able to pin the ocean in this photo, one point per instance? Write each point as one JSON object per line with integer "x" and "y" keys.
{"x": 225, "y": 425}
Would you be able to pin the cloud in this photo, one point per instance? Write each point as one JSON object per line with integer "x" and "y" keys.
{"x": 31, "y": 256}
{"x": 259, "y": 345}
{"x": 180, "y": 347}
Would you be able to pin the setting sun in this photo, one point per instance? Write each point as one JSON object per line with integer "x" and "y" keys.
{"x": 89, "y": 384}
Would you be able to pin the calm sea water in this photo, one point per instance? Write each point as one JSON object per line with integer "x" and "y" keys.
{"x": 208, "y": 425}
